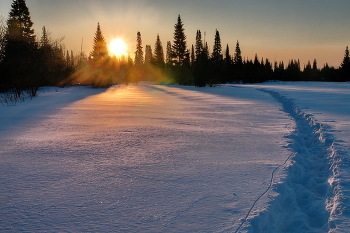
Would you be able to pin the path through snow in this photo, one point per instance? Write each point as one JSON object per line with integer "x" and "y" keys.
{"x": 302, "y": 203}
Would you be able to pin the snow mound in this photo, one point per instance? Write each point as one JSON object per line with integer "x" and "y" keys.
{"x": 309, "y": 197}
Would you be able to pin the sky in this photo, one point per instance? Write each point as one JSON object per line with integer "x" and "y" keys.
{"x": 275, "y": 29}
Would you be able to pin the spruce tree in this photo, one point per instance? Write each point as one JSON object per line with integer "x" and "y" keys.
{"x": 193, "y": 56}
{"x": 217, "y": 49}
{"x": 159, "y": 53}
{"x": 139, "y": 52}
{"x": 148, "y": 55}
{"x": 228, "y": 65}
{"x": 179, "y": 47}
{"x": 238, "y": 63}
{"x": 345, "y": 66}
{"x": 237, "y": 59}
{"x": 314, "y": 65}
{"x": 99, "y": 52}
{"x": 44, "y": 40}
{"x": 20, "y": 23}
{"x": 169, "y": 52}
{"x": 19, "y": 66}
{"x": 228, "y": 59}
{"x": 346, "y": 59}
{"x": 199, "y": 44}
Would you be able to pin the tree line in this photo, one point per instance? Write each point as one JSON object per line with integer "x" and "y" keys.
{"x": 28, "y": 62}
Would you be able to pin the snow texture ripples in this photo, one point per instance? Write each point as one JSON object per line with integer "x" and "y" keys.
{"x": 307, "y": 197}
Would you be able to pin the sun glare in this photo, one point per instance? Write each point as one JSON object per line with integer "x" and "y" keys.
{"x": 117, "y": 47}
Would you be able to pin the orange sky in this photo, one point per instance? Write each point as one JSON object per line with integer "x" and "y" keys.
{"x": 273, "y": 29}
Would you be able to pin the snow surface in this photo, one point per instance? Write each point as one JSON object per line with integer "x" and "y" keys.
{"x": 151, "y": 158}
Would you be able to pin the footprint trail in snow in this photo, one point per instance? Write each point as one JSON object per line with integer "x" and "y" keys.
{"x": 305, "y": 195}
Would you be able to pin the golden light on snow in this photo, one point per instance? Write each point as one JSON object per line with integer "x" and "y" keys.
{"x": 117, "y": 47}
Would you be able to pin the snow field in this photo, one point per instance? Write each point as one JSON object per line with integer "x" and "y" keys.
{"x": 139, "y": 159}
{"x": 244, "y": 158}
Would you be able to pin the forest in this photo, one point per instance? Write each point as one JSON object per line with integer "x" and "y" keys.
{"x": 28, "y": 62}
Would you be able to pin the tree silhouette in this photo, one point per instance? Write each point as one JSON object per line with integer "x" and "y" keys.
{"x": 228, "y": 66}
{"x": 179, "y": 47}
{"x": 159, "y": 53}
{"x": 199, "y": 44}
{"x": 217, "y": 49}
{"x": 345, "y": 66}
{"x": 237, "y": 59}
{"x": 148, "y": 55}
{"x": 192, "y": 56}
{"x": 169, "y": 53}
{"x": 139, "y": 52}
{"x": 99, "y": 52}
{"x": 238, "y": 63}
{"x": 18, "y": 66}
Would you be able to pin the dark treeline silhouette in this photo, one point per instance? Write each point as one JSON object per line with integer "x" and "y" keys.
{"x": 195, "y": 65}
{"x": 26, "y": 62}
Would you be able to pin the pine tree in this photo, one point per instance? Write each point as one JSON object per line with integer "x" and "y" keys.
{"x": 199, "y": 44}
{"x": 228, "y": 59}
{"x": 99, "y": 51}
{"x": 44, "y": 41}
{"x": 314, "y": 65}
{"x": 139, "y": 52}
{"x": 169, "y": 53}
{"x": 159, "y": 53}
{"x": 179, "y": 48}
{"x": 217, "y": 50}
{"x": 228, "y": 66}
{"x": 346, "y": 59}
{"x": 20, "y": 23}
{"x": 193, "y": 56}
{"x": 148, "y": 55}
{"x": 345, "y": 66}
{"x": 238, "y": 55}
{"x": 19, "y": 66}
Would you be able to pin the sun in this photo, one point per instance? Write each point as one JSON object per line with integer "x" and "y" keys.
{"x": 117, "y": 47}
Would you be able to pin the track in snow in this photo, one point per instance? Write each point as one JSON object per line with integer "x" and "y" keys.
{"x": 304, "y": 195}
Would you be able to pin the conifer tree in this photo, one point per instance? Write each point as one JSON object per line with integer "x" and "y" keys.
{"x": 193, "y": 56}
{"x": 159, "y": 53}
{"x": 44, "y": 40}
{"x": 238, "y": 63}
{"x": 217, "y": 49}
{"x": 169, "y": 53}
{"x": 206, "y": 50}
{"x": 148, "y": 55}
{"x": 238, "y": 55}
{"x": 346, "y": 59}
{"x": 345, "y": 66}
{"x": 199, "y": 44}
{"x": 228, "y": 65}
{"x": 100, "y": 51}
{"x": 139, "y": 52}
{"x": 314, "y": 65}
{"x": 20, "y": 23}
{"x": 19, "y": 64}
{"x": 228, "y": 59}
{"x": 179, "y": 47}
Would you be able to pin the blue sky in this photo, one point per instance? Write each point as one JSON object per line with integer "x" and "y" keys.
{"x": 274, "y": 29}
